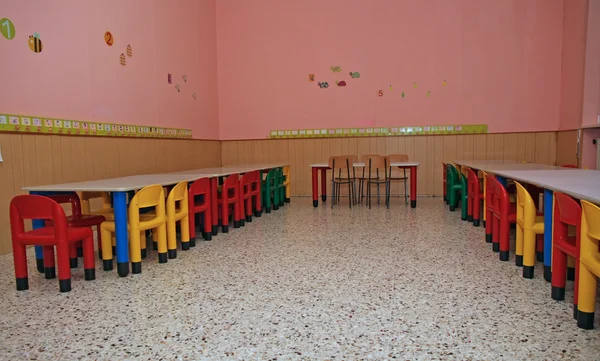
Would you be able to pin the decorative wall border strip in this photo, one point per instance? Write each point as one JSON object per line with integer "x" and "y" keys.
{"x": 380, "y": 132}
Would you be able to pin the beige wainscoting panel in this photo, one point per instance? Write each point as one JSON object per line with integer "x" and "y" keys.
{"x": 43, "y": 159}
{"x": 430, "y": 151}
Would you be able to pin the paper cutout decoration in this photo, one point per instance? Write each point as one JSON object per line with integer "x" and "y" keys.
{"x": 340, "y": 83}
{"x": 335, "y": 69}
{"x": 169, "y": 79}
{"x": 391, "y": 87}
{"x": 444, "y": 83}
{"x": 122, "y": 59}
{"x": 129, "y": 51}
{"x": 323, "y": 85}
{"x": 380, "y": 93}
{"x": 415, "y": 85}
{"x": 402, "y": 94}
{"x": 194, "y": 95}
{"x": 429, "y": 93}
{"x": 35, "y": 44}
{"x": 108, "y": 38}
{"x": 355, "y": 75}
{"x": 7, "y": 28}
{"x": 311, "y": 78}
{"x": 184, "y": 78}
{"x": 178, "y": 87}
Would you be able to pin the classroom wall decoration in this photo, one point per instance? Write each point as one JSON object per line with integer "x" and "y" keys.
{"x": 122, "y": 59}
{"x": 311, "y": 78}
{"x": 169, "y": 78}
{"x": 355, "y": 74}
{"x": 381, "y": 132}
{"x": 336, "y": 68}
{"x": 129, "y": 51}
{"x": 108, "y": 38}
{"x": 41, "y": 125}
{"x": 35, "y": 44}
{"x": 7, "y": 28}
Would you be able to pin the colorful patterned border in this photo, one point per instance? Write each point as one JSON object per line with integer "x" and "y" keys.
{"x": 42, "y": 125}
{"x": 380, "y": 132}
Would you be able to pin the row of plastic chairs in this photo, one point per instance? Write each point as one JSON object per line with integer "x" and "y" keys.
{"x": 240, "y": 197}
{"x": 576, "y": 234}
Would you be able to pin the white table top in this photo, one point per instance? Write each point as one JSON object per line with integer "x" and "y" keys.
{"x": 125, "y": 184}
{"x": 578, "y": 183}
{"x": 493, "y": 167}
{"x": 362, "y": 164}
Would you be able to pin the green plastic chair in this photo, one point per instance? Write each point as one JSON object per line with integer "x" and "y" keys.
{"x": 281, "y": 186}
{"x": 457, "y": 190}
{"x": 271, "y": 191}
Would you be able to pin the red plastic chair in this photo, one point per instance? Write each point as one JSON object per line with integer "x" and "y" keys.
{"x": 60, "y": 235}
{"x": 567, "y": 212}
{"x": 501, "y": 215}
{"x": 475, "y": 195}
{"x": 249, "y": 196}
{"x": 77, "y": 219}
{"x": 230, "y": 197}
{"x": 569, "y": 166}
{"x": 200, "y": 187}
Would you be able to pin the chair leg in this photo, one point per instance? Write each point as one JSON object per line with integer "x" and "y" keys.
{"x": 332, "y": 194}
{"x": 107, "y": 255}
{"x": 405, "y": 191}
{"x": 64, "y": 271}
{"x": 49, "y": 267}
{"x": 350, "y": 195}
{"x": 89, "y": 266}
{"x": 20, "y": 261}
{"x": 378, "y": 193}
{"x": 586, "y": 303}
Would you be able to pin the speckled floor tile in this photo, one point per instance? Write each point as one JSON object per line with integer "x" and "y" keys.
{"x": 305, "y": 284}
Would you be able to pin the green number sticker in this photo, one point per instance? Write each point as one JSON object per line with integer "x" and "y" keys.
{"x": 7, "y": 28}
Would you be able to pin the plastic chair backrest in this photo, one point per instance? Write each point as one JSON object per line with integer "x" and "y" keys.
{"x": 473, "y": 181}
{"x": 149, "y": 196}
{"x": 526, "y": 209}
{"x": 590, "y": 232}
{"x": 71, "y": 198}
{"x": 179, "y": 192}
{"x": 87, "y": 196}
{"x": 199, "y": 187}
{"x": 569, "y": 209}
{"x": 343, "y": 163}
{"x": 286, "y": 171}
{"x": 231, "y": 182}
{"x": 452, "y": 174}
{"x": 500, "y": 199}
{"x": 398, "y": 157}
{"x": 36, "y": 207}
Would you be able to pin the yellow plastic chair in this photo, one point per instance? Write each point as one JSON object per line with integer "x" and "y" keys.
{"x": 528, "y": 225}
{"x": 107, "y": 211}
{"x": 150, "y": 196}
{"x": 178, "y": 195}
{"x": 589, "y": 264}
{"x": 287, "y": 181}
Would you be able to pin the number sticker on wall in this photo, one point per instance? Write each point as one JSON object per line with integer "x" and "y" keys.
{"x": 7, "y": 28}
{"x": 108, "y": 38}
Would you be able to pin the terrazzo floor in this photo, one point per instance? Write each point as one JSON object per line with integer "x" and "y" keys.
{"x": 305, "y": 284}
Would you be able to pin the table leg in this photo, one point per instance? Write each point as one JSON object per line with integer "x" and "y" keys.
{"x": 121, "y": 235}
{"x": 214, "y": 205}
{"x": 548, "y": 207}
{"x": 315, "y": 186}
{"x": 502, "y": 180}
{"x": 324, "y": 184}
{"x": 413, "y": 187}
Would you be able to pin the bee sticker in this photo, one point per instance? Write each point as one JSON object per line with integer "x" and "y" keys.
{"x": 184, "y": 77}
{"x": 129, "y": 51}
{"x": 7, "y": 28}
{"x": 169, "y": 78}
{"x": 391, "y": 87}
{"x": 415, "y": 85}
{"x": 311, "y": 78}
{"x": 35, "y": 44}
{"x": 340, "y": 83}
{"x": 380, "y": 93}
{"x": 444, "y": 83}
{"x": 355, "y": 74}
{"x": 108, "y": 38}
{"x": 122, "y": 59}
{"x": 335, "y": 69}
{"x": 323, "y": 85}
{"x": 194, "y": 95}
{"x": 177, "y": 87}
{"x": 429, "y": 93}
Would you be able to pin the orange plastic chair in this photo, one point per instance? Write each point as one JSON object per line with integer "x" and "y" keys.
{"x": 529, "y": 224}
{"x": 150, "y": 196}
{"x": 589, "y": 264}
{"x": 287, "y": 182}
{"x": 59, "y": 235}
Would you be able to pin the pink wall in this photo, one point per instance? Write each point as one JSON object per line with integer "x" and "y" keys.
{"x": 77, "y": 76}
{"x": 501, "y": 59}
{"x": 573, "y": 63}
{"x": 591, "y": 92}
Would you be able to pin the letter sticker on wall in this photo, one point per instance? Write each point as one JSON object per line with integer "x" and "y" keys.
{"x": 7, "y": 28}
